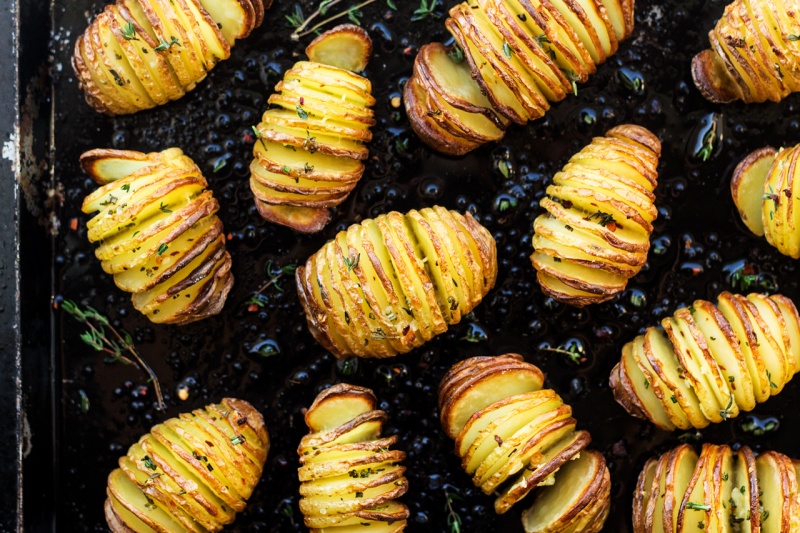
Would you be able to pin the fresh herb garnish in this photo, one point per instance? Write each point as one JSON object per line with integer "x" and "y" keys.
{"x": 698, "y": 506}
{"x": 351, "y": 263}
{"x": 219, "y": 165}
{"x": 301, "y": 112}
{"x": 507, "y": 50}
{"x": 164, "y": 207}
{"x": 129, "y": 32}
{"x": 427, "y": 8}
{"x": 96, "y": 337}
{"x": 453, "y": 519}
{"x": 164, "y": 45}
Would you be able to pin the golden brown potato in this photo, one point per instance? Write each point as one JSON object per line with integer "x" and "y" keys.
{"x": 596, "y": 232}
{"x": 754, "y": 53}
{"x": 722, "y": 490}
{"x": 514, "y": 437}
{"x": 765, "y": 187}
{"x": 390, "y": 284}
{"x": 511, "y": 58}
{"x": 158, "y": 233}
{"x": 312, "y": 140}
{"x": 138, "y": 54}
{"x": 192, "y": 473}
{"x": 350, "y": 479}
{"x": 710, "y": 363}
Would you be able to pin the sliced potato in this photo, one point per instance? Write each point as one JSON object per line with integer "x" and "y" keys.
{"x": 159, "y": 232}
{"x": 747, "y": 187}
{"x": 349, "y": 477}
{"x": 714, "y": 362}
{"x": 347, "y": 46}
{"x": 168, "y": 481}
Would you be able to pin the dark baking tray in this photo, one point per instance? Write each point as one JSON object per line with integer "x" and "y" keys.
{"x": 697, "y": 243}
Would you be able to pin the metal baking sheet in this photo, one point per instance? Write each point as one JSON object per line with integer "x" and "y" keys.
{"x": 697, "y": 243}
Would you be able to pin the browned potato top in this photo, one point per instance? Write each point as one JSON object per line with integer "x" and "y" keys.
{"x": 389, "y": 284}
{"x": 191, "y": 473}
{"x": 710, "y": 362}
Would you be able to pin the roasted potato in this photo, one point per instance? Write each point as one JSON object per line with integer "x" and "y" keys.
{"x": 158, "y": 233}
{"x": 511, "y": 58}
{"x": 350, "y": 479}
{"x": 389, "y": 284}
{"x": 720, "y": 491}
{"x": 765, "y": 189}
{"x": 710, "y": 362}
{"x": 754, "y": 53}
{"x": 513, "y": 436}
{"x": 310, "y": 147}
{"x": 192, "y": 473}
{"x": 596, "y": 232}
{"x": 138, "y": 54}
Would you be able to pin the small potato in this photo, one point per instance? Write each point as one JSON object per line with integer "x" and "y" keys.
{"x": 310, "y": 144}
{"x": 513, "y": 436}
{"x": 719, "y": 490}
{"x": 389, "y": 284}
{"x": 122, "y": 68}
{"x": 350, "y": 477}
{"x": 159, "y": 233}
{"x": 510, "y": 60}
{"x": 753, "y": 54}
{"x": 710, "y": 363}
{"x": 596, "y": 232}
{"x": 191, "y": 473}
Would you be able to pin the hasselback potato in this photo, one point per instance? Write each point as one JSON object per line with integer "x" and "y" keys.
{"x": 754, "y": 54}
{"x": 720, "y": 491}
{"x": 158, "y": 233}
{"x": 390, "y": 284}
{"x": 596, "y": 232}
{"x": 710, "y": 362}
{"x": 192, "y": 473}
{"x": 511, "y": 58}
{"x": 311, "y": 143}
{"x": 350, "y": 479}
{"x": 765, "y": 189}
{"x": 138, "y": 54}
{"x": 513, "y": 436}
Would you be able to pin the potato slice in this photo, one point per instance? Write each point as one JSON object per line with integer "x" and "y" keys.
{"x": 679, "y": 473}
{"x": 233, "y": 17}
{"x": 747, "y": 186}
{"x": 642, "y": 494}
{"x": 776, "y": 500}
{"x": 558, "y": 503}
{"x": 347, "y": 46}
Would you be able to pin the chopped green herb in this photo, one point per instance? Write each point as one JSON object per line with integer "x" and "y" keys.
{"x": 162, "y": 248}
{"x": 301, "y": 112}
{"x": 129, "y": 32}
{"x": 427, "y": 8}
{"x": 164, "y": 45}
{"x": 698, "y": 506}
{"x": 507, "y": 50}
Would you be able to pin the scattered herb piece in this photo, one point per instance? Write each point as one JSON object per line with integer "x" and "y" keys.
{"x": 507, "y": 50}
{"x": 301, "y": 112}
{"x": 164, "y": 207}
{"x": 698, "y": 506}
{"x": 129, "y": 32}
{"x": 97, "y": 338}
{"x": 220, "y": 164}
{"x": 456, "y": 53}
{"x": 453, "y": 519}
{"x": 164, "y": 45}
{"x": 427, "y": 8}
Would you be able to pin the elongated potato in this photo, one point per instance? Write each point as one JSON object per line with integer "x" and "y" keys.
{"x": 311, "y": 141}
{"x": 138, "y": 54}
{"x": 719, "y": 491}
{"x": 158, "y": 233}
{"x": 350, "y": 479}
{"x": 192, "y": 473}
{"x": 596, "y": 232}
{"x": 710, "y": 363}
{"x": 510, "y": 60}
{"x": 513, "y": 436}
{"x": 389, "y": 284}
{"x": 754, "y": 53}
{"x": 765, "y": 187}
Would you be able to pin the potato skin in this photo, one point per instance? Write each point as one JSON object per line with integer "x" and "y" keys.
{"x": 595, "y": 234}
{"x": 129, "y": 81}
{"x": 159, "y": 233}
{"x": 751, "y": 58}
{"x": 321, "y": 113}
{"x": 229, "y": 437}
{"x": 519, "y": 439}
{"x": 510, "y": 50}
{"x": 389, "y": 284}
{"x": 336, "y": 445}
{"x": 714, "y": 361}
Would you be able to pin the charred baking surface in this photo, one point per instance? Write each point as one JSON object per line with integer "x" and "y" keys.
{"x": 259, "y": 347}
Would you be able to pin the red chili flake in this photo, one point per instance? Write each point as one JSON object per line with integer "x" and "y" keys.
{"x": 498, "y": 440}
{"x": 248, "y": 138}
{"x": 408, "y": 50}
{"x": 302, "y": 101}
{"x": 252, "y": 308}
{"x": 748, "y": 269}
{"x": 566, "y": 204}
{"x": 787, "y": 192}
{"x": 229, "y": 236}
{"x": 612, "y": 226}
{"x": 73, "y": 224}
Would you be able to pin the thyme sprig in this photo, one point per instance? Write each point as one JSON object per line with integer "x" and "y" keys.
{"x": 573, "y": 353}
{"x": 274, "y": 276}
{"x": 427, "y": 8}
{"x": 302, "y": 23}
{"x": 119, "y": 347}
{"x": 453, "y": 518}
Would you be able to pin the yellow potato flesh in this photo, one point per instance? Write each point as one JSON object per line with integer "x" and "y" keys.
{"x": 662, "y": 375}
{"x": 345, "y": 50}
{"x": 229, "y": 16}
{"x": 128, "y": 498}
{"x": 641, "y": 385}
